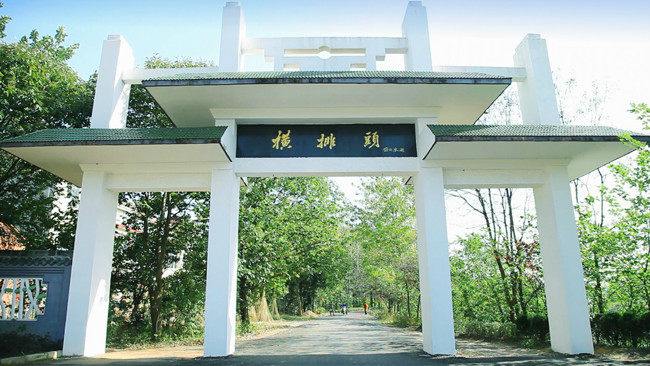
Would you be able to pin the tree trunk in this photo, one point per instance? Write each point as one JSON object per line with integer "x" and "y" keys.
{"x": 263, "y": 313}
{"x": 298, "y": 298}
{"x": 275, "y": 312}
{"x": 408, "y": 298}
{"x": 242, "y": 301}
{"x": 161, "y": 253}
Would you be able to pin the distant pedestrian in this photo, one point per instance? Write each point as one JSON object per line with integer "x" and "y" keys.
{"x": 331, "y": 310}
{"x": 344, "y": 308}
{"x": 365, "y": 308}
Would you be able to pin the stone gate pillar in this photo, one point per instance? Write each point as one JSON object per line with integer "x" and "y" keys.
{"x": 433, "y": 256}
{"x": 566, "y": 298}
{"x": 221, "y": 284}
{"x": 90, "y": 279}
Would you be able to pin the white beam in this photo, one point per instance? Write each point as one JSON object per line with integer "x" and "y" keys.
{"x": 433, "y": 258}
{"x": 167, "y": 182}
{"x": 161, "y": 168}
{"x": 495, "y": 178}
{"x": 90, "y": 279}
{"x": 566, "y": 299}
{"x": 320, "y": 167}
{"x": 221, "y": 284}
{"x": 500, "y": 164}
{"x": 322, "y": 113}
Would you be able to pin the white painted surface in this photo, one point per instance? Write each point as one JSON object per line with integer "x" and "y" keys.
{"x": 325, "y": 53}
{"x": 233, "y": 33}
{"x": 229, "y": 138}
{"x": 221, "y": 286}
{"x": 323, "y": 167}
{"x": 433, "y": 257}
{"x": 566, "y": 299}
{"x": 415, "y": 28}
{"x": 111, "y": 102}
{"x": 537, "y": 93}
{"x": 90, "y": 281}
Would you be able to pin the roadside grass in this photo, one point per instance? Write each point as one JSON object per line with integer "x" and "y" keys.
{"x": 138, "y": 337}
{"x": 396, "y": 319}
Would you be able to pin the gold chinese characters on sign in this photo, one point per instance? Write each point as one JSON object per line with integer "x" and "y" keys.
{"x": 330, "y": 140}
{"x": 282, "y": 141}
{"x": 371, "y": 139}
{"x": 326, "y": 141}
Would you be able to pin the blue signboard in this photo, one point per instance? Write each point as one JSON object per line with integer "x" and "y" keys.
{"x": 322, "y": 141}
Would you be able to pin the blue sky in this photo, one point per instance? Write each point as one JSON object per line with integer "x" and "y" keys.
{"x": 603, "y": 41}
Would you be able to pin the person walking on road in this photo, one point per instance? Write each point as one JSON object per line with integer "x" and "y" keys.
{"x": 344, "y": 308}
{"x": 331, "y": 310}
{"x": 365, "y": 308}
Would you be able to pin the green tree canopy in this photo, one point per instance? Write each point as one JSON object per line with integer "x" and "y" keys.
{"x": 37, "y": 90}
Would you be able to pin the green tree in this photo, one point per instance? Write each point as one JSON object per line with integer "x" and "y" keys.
{"x": 289, "y": 243}
{"x": 507, "y": 254}
{"x": 162, "y": 228}
{"x": 38, "y": 90}
{"x": 601, "y": 244}
{"x": 159, "y": 232}
{"x": 633, "y": 187}
{"x": 383, "y": 235}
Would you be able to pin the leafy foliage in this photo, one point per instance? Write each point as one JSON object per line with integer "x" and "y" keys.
{"x": 289, "y": 243}
{"x": 162, "y": 230}
{"x": 37, "y": 90}
{"x": 383, "y": 250}
{"x": 496, "y": 273}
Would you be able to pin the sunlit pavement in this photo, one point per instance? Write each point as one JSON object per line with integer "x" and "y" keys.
{"x": 353, "y": 339}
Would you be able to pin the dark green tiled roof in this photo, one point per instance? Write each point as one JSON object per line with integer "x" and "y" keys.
{"x": 307, "y": 77}
{"x": 117, "y": 136}
{"x": 530, "y": 133}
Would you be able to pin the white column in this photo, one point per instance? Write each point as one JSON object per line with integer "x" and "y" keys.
{"x": 90, "y": 281}
{"x": 111, "y": 102}
{"x": 566, "y": 299}
{"x": 415, "y": 27}
{"x": 221, "y": 286}
{"x": 433, "y": 256}
{"x": 233, "y": 32}
{"x": 537, "y": 93}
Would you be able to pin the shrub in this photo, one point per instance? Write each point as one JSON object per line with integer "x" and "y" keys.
{"x": 621, "y": 328}
{"x": 488, "y": 330}
{"x": 535, "y": 326}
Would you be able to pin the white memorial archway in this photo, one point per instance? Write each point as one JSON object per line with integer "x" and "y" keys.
{"x": 436, "y": 106}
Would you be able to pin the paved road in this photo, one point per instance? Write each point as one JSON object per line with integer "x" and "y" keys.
{"x": 354, "y": 339}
